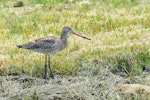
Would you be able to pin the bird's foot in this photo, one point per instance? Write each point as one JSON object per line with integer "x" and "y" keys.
{"x": 46, "y": 81}
{"x": 46, "y": 78}
{"x": 52, "y": 76}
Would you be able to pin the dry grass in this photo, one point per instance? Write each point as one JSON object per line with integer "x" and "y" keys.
{"x": 89, "y": 84}
{"x": 119, "y": 31}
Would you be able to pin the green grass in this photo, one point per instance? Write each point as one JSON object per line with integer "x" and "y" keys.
{"x": 119, "y": 31}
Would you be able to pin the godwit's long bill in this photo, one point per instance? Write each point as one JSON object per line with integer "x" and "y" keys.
{"x": 50, "y": 45}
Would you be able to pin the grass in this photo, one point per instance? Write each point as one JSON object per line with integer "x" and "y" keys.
{"x": 119, "y": 31}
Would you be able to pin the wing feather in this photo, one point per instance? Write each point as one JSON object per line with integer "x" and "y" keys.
{"x": 41, "y": 43}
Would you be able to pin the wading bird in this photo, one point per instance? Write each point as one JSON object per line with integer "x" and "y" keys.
{"x": 50, "y": 45}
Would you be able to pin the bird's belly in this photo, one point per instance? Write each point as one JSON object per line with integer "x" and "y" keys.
{"x": 46, "y": 51}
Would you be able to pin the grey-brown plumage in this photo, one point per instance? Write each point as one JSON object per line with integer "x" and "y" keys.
{"x": 49, "y": 45}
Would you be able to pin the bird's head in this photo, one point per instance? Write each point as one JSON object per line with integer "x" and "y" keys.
{"x": 67, "y": 30}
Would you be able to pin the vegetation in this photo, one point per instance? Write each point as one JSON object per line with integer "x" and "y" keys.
{"x": 119, "y": 29}
{"x": 119, "y": 32}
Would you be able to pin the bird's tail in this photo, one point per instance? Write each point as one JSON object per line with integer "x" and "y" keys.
{"x": 26, "y": 45}
{"x": 19, "y": 46}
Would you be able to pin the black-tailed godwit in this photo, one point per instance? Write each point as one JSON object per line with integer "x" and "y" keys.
{"x": 50, "y": 45}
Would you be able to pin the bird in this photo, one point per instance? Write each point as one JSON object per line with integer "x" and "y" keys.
{"x": 50, "y": 45}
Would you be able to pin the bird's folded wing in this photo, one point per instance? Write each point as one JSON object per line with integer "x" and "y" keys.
{"x": 42, "y": 43}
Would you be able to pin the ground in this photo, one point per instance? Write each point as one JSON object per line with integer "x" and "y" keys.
{"x": 90, "y": 83}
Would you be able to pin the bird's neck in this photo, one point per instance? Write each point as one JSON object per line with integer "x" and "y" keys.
{"x": 64, "y": 38}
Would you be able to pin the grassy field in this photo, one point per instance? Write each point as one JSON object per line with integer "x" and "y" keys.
{"x": 119, "y": 29}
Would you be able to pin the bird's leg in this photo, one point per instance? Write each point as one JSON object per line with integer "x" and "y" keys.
{"x": 51, "y": 72}
{"x": 45, "y": 67}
